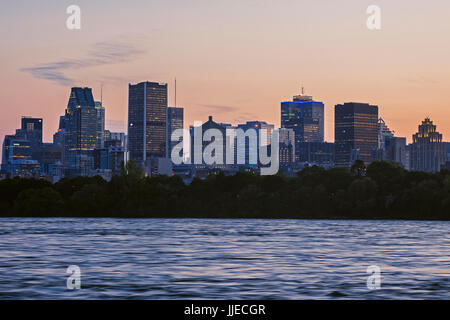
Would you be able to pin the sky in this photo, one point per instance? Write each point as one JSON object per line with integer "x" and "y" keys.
{"x": 235, "y": 60}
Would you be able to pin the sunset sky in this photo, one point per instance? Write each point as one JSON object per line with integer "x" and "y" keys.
{"x": 234, "y": 59}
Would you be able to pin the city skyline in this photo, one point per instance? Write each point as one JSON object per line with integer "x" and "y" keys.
{"x": 232, "y": 68}
{"x": 285, "y": 114}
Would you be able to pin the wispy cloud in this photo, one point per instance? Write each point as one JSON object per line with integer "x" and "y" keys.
{"x": 420, "y": 79}
{"x": 102, "y": 53}
{"x": 232, "y": 114}
{"x": 219, "y": 108}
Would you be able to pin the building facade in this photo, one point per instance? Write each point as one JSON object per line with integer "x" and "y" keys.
{"x": 263, "y": 133}
{"x": 147, "y": 112}
{"x": 175, "y": 120}
{"x": 321, "y": 153}
{"x": 287, "y": 146}
{"x": 306, "y": 117}
{"x": 100, "y": 110}
{"x": 31, "y": 130}
{"x": 198, "y": 145}
{"x": 427, "y": 151}
{"x": 80, "y": 138}
{"x": 356, "y": 133}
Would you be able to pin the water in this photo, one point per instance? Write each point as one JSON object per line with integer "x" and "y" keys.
{"x": 223, "y": 259}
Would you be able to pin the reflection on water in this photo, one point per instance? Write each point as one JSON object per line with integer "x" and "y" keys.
{"x": 223, "y": 259}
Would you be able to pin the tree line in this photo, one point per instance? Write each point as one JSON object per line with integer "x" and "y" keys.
{"x": 379, "y": 191}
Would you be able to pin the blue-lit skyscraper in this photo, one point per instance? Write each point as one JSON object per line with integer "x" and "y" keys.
{"x": 80, "y": 136}
{"x": 306, "y": 117}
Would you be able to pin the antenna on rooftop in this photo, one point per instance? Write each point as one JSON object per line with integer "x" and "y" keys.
{"x": 175, "y": 92}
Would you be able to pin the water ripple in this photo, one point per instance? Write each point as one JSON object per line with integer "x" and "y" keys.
{"x": 223, "y": 259}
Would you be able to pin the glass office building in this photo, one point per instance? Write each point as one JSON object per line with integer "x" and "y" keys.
{"x": 356, "y": 133}
{"x": 31, "y": 130}
{"x": 147, "y": 112}
{"x": 80, "y": 138}
{"x": 306, "y": 117}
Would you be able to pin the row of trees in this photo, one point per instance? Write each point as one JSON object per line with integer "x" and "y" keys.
{"x": 380, "y": 191}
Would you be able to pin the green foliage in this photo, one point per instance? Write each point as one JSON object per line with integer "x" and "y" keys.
{"x": 379, "y": 191}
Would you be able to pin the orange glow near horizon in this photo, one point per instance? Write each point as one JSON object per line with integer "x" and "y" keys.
{"x": 235, "y": 60}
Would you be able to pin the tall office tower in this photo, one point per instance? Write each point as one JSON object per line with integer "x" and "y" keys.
{"x": 147, "y": 111}
{"x": 306, "y": 117}
{"x": 356, "y": 133}
{"x": 100, "y": 125}
{"x": 427, "y": 151}
{"x": 31, "y": 130}
{"x": 175, "y": 120}
{"x": 80, "y": 137}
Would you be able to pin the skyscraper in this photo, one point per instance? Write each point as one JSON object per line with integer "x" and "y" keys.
{"x": 147, "y": 112}
{"x": 31, "y": 130}
{"x": 427, "y": 151}
{"x": 175, "y": 120}
{"x": 356, "y": 133}
{"x": 80, "y": 138}
{"x": 100, "y": 110}
{"x": 306, "y": 117}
